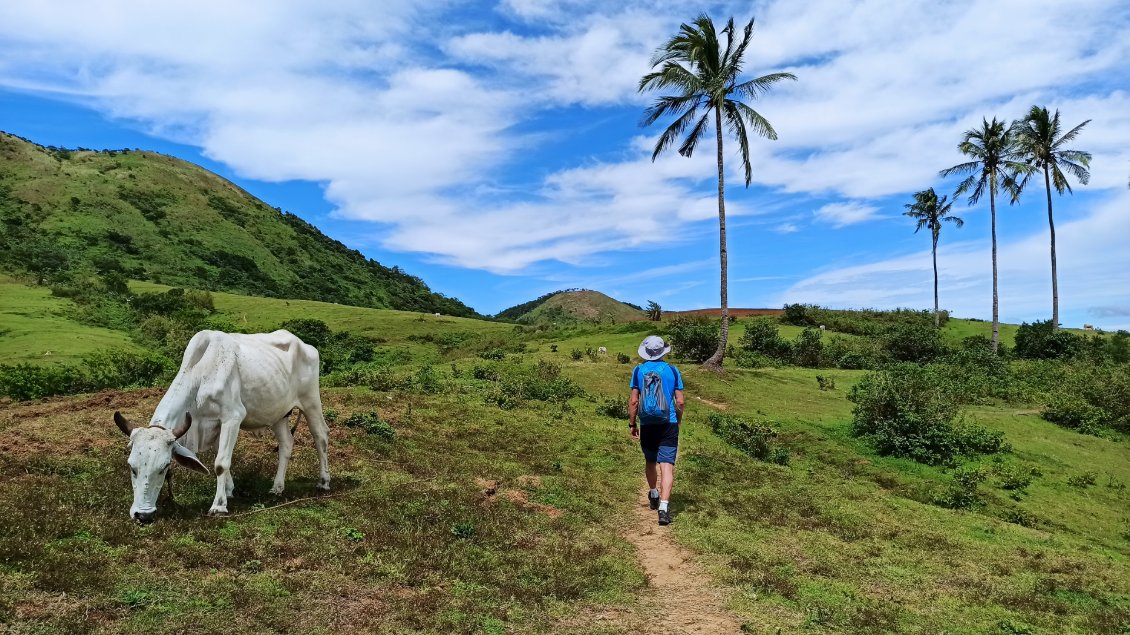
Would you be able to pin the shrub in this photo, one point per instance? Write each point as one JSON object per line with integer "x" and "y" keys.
{"x": 28, "y": 381}
{"x": 1083, "y": 480}
{"x": 761, "y": 336}
{"x": 316, "y": 333}
{"x": 623, "y": 359}
{"x": 124, "y": 369}
{"x": 613, "y": 407}
{"x": 754, "y": 438}
{"x": 1038, "y": 341}
{"x": 427, "y": 380}
{"x": 575, "y": 355}
{"x": 853, "y": 353}
{"x": 826, "y": 383}
{"x": 371, "y": 423}
{"x": 963, "y": 493}
{"x": 903, "y": 411}
{"x": 494, "y": 354}
{"x": 808, "y": 350}
{"x": 547, "y": 371}
{"x": 374, "y": 375}
{"x": 1073, "y": 411}
{"x": 1014, "y": 477}
{"x": 913, "y": 343}
{"x": 694, "y": 338}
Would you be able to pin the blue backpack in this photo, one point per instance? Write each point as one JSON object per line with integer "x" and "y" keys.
{"x": 654, "y": 407}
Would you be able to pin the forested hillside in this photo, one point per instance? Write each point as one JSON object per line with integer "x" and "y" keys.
{"x": 147, "y": 216}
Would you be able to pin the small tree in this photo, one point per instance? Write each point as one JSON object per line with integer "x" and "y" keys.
{"x": 654, "y": 311}
{"x": 930, "y": 212}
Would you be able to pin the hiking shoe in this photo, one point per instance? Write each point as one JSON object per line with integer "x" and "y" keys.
{"x": 653, "y": 501}
{"x": 664, "y": 517}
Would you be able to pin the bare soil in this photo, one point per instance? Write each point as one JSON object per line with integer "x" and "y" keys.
{"x": 687, "y": 599}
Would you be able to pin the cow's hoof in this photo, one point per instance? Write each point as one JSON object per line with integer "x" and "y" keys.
{"x": 218, "y": 511}
{"x": 324, "y": 484}
{"x": 275, "y": 491}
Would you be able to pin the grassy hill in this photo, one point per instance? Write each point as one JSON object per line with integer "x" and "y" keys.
{"x": 504, "y": 503}
{"x": 578, "y": 305}
{"x": 153, "y": 217}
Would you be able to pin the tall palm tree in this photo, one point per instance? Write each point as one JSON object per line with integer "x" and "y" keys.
{"x": 704, "y": 78}
{"x": 931, "y": 212}
{"x": 1040, "y": 141}
{"x": 993, "y": 163}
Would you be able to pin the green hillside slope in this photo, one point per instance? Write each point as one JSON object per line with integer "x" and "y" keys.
{"x": 581, "y": 305}
{"x": 155, "y": 217}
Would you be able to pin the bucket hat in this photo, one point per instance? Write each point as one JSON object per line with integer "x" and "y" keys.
{"x": 653, "y": 347}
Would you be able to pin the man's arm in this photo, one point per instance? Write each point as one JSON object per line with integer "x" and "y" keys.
{"x": 633, "y": 406}
{"x": 679, "y": 401}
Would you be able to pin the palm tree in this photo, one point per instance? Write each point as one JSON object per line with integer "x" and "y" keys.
{"x": 703, "y": 76}
{"x": 931, "y": 212}
{"x": 1040, "y": 143}
{"x": 994, "y": 162}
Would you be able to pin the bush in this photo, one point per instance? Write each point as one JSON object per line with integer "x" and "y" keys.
{"x": 613, "y": 407}
{"x": 754, "y": 438}
{"x": 913, "y": 343}
{"x": 1073, "y": 411}
{"x": 494, "y": 354}
{"x": 623, "y": 359}
{"x": 808, "y": 350}
{"x": 371, "y": 423}
{"x": 903, "y": 411}
{"x": 576, "y": 355}
{"x": 963, "y": 493}
{"x": 1038, "y": 341}
{"x": 97, "y": 371}
{"x": 28, "y": 381}
{"x": 761, "y": 336}
{"x": 427, "y": 380}
{"x": 694, "y": 338}
{"x": 1084, "y": 480}
{"x": 853, "y": 353}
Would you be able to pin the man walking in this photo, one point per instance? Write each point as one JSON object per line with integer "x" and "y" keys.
{"x": 655, "y": 410}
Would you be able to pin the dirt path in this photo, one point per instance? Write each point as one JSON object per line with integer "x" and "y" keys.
{"x": 679, "y": 588}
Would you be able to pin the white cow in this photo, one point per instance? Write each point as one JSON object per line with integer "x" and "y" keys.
{"x": 602, "y": 350}
{"x": 226, "y": 381}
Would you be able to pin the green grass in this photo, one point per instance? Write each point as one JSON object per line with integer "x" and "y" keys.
{"x": 839, "y": 541}
{"x": 34, "y": 328}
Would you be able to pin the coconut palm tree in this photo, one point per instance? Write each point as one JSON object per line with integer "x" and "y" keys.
{"x": 930, "y": 212}
{"x": 993, "y": 165}
{"x": 1039, "y": 141}
{"x": 703, "y": 76}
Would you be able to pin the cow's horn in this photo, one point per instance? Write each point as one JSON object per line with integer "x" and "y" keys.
{"x": 179, "y": 431}
{"x": 123, "y": 424}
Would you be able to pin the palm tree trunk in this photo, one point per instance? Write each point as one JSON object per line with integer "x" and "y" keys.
{"x": 993, "y": 216}
{"x": 715, "y": 361}
{"x": 1055, "y": 281}
{"x": 935, "y": 253}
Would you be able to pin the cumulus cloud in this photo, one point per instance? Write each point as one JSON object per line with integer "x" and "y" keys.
{"x": 411, "y": 120}
{"x": 1092, "y": 262}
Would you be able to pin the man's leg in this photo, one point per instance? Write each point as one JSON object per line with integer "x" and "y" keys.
{"x": 666, "y": 481}
{"x": 651, "y": 475}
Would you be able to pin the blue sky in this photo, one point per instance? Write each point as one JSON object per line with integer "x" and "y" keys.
{"x": 493, "y": 148}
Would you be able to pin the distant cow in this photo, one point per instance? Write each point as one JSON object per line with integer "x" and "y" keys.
{"x": 226, "y": 381}
{"x": 602, "y": 350}
{"x": 436, "y": 314}
{"x": 1088, "y": 327}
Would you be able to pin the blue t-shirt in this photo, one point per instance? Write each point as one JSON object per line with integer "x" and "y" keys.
{"x": 672, "y": 381}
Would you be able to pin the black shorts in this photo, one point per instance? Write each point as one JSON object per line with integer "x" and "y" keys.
{"x": 659, "y": 442}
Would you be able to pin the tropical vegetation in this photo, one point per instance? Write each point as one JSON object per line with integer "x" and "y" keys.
{"x": 930, "y": 212}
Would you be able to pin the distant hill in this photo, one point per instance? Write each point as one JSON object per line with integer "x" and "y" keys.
{"x": 580, "y": 305}
{"x": 153, "y": 217}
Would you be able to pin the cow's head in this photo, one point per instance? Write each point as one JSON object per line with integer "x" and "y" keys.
{"x": 152, "y": 452}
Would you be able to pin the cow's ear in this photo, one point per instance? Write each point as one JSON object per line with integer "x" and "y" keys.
{"x": 185, "y": 458}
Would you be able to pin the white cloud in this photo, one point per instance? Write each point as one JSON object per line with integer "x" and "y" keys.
{"x": 1093, "y": 265}
{"x": 409, "y": 119}
{"x": 844, "y": 214}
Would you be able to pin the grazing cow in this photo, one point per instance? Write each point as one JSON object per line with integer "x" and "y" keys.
{"x": 821, "y": 328}
{"x": 226, "y": 381}
{"x": 436, "y": 314}
{"x": 602, "y": 350}
{"x": 1088, "y": 327}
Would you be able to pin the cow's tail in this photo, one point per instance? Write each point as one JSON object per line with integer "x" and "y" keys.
{"x": 297, "y": 420}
